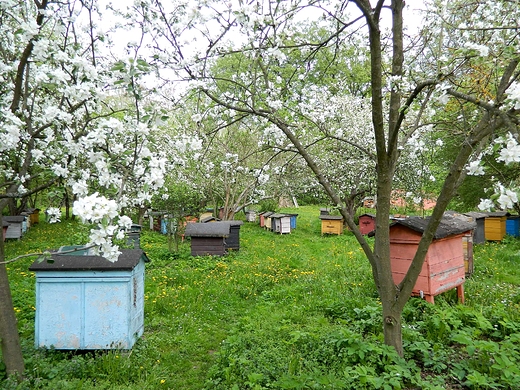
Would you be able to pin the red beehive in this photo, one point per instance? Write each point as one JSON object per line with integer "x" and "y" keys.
{"x": 5, "y": 225}
{"x": 443, "y": 267}
{"x": 367, "y": 223}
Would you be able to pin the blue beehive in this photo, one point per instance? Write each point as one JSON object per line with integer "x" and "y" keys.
{"x": 513, "y": 225}
{"x": 293, "y": 220}
{"x": 86, "y": 302}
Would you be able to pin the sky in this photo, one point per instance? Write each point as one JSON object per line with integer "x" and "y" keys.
{"x": 412, "y": 19}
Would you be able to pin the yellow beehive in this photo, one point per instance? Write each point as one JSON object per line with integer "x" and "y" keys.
{"x": 495, "y": 226}
{"x": 331, "y": 224}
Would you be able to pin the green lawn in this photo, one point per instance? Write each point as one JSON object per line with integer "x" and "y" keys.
{"x": 296, "y": 311}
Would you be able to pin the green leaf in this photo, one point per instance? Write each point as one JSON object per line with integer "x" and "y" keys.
{"x": 118, "y": 66}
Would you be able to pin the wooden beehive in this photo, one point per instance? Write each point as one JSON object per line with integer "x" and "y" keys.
{"x": 5, "y": 225}
{"x": 513, "y": 225}
{"x": 232, "y": 242}
{"x": 280, "y": 223}
{"x": 16, "y": 228}
{"x": 443, "y": 268}
{"x": 207, "y": 239}
{"x": 133, "y": 236}
{"x": 210, "y": 218}
{"x": 467, "y": 248}
{"x": 86, "y": 302}
{"x": 367, "y": 223}
{"x": 495, "y": 226}
{"x": 26, "y": 225}
{"x": 206, "y": 214}
{"x": 331, "y": 224}
{"x": 268, "y": 222}
{"x": 34, "y": 215}
{"x": 293, "y": 217}
{"x": 155, "y": 218}
{"x": 467, "y": 238}
{"x": 479, "y": 233}
{"x": 250, "y": 216}
{"x": 261, "y": 218}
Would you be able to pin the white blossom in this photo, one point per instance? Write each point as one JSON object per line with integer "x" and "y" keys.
{"x": 53, "y": 214}
{"x": 511, "y": 152}
{"x": 481, "y": 49}
{"x": 514, "y": 94}
{"x": 80, "y": 188}
{"x": 485, "y": 205}
{"x": 474, "y": 168}
{"x": 125, "y": 222}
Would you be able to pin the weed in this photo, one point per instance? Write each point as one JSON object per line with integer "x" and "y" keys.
{"x": 296, "y": 311}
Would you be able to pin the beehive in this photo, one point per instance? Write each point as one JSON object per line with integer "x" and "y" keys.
{"x": 367, "y": 223}
{"x": 207, "y": 239}
{"x": 495, "y": 226}
{"x": 280, "y": 223}
{"x": 34, "y": 215}
{"x": 479, "y": 233}
{"x": 513, "y": 225}
{"x": 293, "y": 217}
{"x": 250, "y": 216}
{"x": 268, "y": 220}
{"x": 5, "y": 225}
{"x": 86, "y": 302}
{"x": 17, "y": 226}
{"x": 467, "y": 238}
{"x": 443, "y": 268}
{"x": 232, "y": 242}
{"x": 331, "y": 224}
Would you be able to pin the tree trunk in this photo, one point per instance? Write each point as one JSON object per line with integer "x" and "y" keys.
{"x": 10, "y": 340}
{"x": 67, "y": 204}
{"x": 392, "y": 329}
{"x": 140, "y": 219}
{"x": 11, "y": 204}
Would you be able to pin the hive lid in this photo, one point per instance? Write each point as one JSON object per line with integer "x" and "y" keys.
{"x": 331, "y": 217}
{"x": 213, "y": 229}
{"x": 14, "y": 218}
{"x": 498, "y": 214}
{"x": 233, "y": 222}
{"x": 279, "y": 215}
{"x": 449, "y": 225}
{"x": 209, "y": 219}
{"x": 476, "y": 214}
{"x": 127, "y": 260}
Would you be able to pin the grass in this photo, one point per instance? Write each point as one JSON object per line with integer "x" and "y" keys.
{"x": 295, "y": 311}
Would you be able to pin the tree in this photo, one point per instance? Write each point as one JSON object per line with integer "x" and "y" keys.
{"x": 407, "y": 84}
{"x": 54, "y": 126}
{"x": 226, "y": 161}
{"x": 38, "y": 97}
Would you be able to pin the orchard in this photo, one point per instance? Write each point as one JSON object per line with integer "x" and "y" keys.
{"x": 112, "y": 108}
